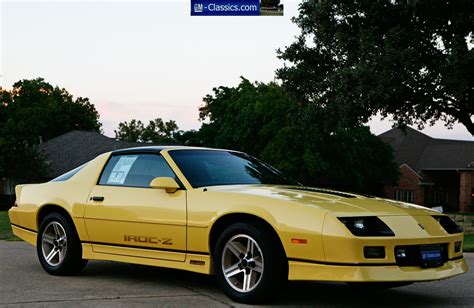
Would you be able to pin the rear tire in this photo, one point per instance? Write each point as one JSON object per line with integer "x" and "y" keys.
{"x": 249, "y": 263}
{"x": 58, "y": 246}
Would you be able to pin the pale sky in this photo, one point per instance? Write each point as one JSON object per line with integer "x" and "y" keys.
{"x": 146, "y": 59}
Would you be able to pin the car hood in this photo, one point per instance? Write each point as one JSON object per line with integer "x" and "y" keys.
{"x": 339, "y": 203}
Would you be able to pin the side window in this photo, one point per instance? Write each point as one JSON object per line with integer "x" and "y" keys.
{"x": 66, "y": 176}
{"x": 135, "y": 170}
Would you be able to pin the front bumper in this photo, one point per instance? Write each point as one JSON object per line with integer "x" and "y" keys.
{"x": 302, "y": 270}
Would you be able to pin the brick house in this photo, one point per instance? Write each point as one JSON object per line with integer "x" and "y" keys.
{"x": 433, "y": 172}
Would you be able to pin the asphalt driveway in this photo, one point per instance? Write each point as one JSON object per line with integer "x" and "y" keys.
{"x": 24, "y": 283}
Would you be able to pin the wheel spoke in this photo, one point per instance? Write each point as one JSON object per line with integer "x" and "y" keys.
{"x": 250, "y": 247}
{"x": 258, "y": 266}
{"x": 236, "y": 248}
{"x": 233, "y": 270}
{"x": 48, "y": 238}
{"x": 56, "y": 230}
{"x": 51, "y": 255}
{"x": 247, "y": 281}
{"x": 62, "y": 239}
{"x": 62, "y": 254}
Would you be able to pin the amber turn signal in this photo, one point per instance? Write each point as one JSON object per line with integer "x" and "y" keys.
{"x": 299, "y": 241}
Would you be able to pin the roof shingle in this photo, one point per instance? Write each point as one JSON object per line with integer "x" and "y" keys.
{"x": 422, "y": 152}
{"x": 70, "y": 150}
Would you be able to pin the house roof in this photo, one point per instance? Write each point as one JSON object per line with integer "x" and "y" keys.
{"x": 68, "y": 151}
{"x": 422, "y": 152}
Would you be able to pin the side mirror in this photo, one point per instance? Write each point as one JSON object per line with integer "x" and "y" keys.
{"x": 168, "y": 184}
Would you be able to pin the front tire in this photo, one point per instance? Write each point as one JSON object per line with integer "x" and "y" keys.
{"x": 58, "y": 246}
{"x": 249, "y": 263}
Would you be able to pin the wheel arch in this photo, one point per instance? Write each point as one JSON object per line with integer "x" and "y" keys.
{"x": 226, "y": 220}
{"x": 52, "y": 208}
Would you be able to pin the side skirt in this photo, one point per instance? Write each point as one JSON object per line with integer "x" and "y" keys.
{"x": 28, "y": 236}
{"x": 199, "y": 263}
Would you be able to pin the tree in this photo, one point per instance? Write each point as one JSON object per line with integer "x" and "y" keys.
{"x": 131, "y": 132}
{"x": 36, "y": 111}
{"x": 32, "y": 112}
{"x": 412, "y": 60}
{"x": 156, "y": 131}
{"x": 160, "y": 132}
{"x": 262, "y": 120}
{"x": 190, "y": 137}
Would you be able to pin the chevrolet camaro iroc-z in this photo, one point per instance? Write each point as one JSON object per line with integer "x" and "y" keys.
{"x": 229, "y": 214}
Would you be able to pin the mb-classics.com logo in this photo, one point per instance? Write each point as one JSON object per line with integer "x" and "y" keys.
{"x": 198, "y": 8}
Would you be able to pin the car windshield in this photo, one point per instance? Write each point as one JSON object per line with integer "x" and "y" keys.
{"x": 211, "y": 168}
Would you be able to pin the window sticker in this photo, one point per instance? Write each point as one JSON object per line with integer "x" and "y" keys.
{"x": 121, "y": 169}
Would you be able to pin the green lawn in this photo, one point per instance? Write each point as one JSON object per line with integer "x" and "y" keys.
{"x": 5, "y": 229}
{"x": 469, "y": 243}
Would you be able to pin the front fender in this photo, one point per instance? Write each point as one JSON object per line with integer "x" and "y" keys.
{"x": 290, "y": 220}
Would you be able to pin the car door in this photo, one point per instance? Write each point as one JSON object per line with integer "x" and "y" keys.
{"x": 125, "y": 216}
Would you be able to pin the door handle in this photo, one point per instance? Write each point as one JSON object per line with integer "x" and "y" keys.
{"x": 97, "y": 198}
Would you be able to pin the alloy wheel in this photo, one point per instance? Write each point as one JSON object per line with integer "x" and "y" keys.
{"x": 54, "y": 243}
{"x": 242, "y": 263}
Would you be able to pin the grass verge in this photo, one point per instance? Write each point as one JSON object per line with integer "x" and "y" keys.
{"x": 5, "y": 228}
{"x": 468, "y": 243}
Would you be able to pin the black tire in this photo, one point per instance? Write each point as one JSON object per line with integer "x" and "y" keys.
{"x": 378, "y": 285}
{"x": 274, "y": 265}
{"x": 69, "y": 261}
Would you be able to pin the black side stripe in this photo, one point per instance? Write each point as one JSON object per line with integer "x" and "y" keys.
{"x": 21, "y": 227}
{"x": 148, "y": 248}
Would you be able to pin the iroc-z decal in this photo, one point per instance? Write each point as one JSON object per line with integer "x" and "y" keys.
{"x": 147, "y": 239}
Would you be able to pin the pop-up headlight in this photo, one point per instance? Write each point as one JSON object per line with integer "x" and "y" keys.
{"x": 450, "y": 226}
{"x": 366, "y": 226}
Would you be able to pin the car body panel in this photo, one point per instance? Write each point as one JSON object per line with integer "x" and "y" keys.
{"x": 26, "y": 235}
{"x": 149, "y": 226}
{"x": 155, "y": 220}
{"x": 206, "y": 207}
{"x": 324, "y": 200}
{"x": 389, "y": 273}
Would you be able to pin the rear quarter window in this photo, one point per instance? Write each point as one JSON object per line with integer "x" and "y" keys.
{"x": 66, "y": 176}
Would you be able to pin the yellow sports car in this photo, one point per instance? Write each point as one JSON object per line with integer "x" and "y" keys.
{"x": 229, "y": 214}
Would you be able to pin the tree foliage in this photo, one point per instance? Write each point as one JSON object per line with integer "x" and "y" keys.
{"x": 35, "y": 111}
{"x": 262, "y": 120}
{"x": 408, "y": 59}
{"x": 130, "y": 131}
{"x": 157, "y": 131}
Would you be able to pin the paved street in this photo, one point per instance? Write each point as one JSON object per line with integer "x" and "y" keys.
{"x": 24, "y": 283}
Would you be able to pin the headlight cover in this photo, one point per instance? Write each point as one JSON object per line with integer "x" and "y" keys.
{"x": 448, "y": 225}
{"x": 366, "y": 226}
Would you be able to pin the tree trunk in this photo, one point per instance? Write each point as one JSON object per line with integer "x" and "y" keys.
{"x": 467, "y": 122}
